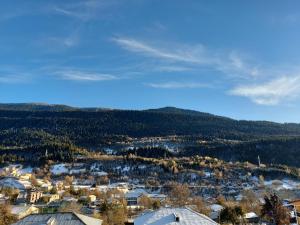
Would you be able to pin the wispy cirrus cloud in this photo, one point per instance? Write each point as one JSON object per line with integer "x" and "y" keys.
{"x": 277, "y": 91}
{"x": 270, "y": 86}
{"x": 12, "y": 79}
{"x": 9, "y": 75}
{"x": 178, "y": 85}
{"x": 10, "y": 11}
{"x": 192, "y": 57}
{"x": 171, "y": 68}
{"x": 83, "y": 10}
{"x": 57, "y": 44}
{"x": 181, "y": 55}
{"x": 84, "y": 76}
{"x": 71, "y": 13}
{"x": 13, "y": 75}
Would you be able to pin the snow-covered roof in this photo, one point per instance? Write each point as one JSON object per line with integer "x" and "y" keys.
{"x": 135, "y": 193}
{"x": 100, "y": 173}
{"x": 88, "y": 220}
{"x": 16, "y": 209}
{"x": 156, "y": 195}
{"x": 167, "y": 216}
{"x": 59, "y": 219}
{"x": 119, "y": 184}
{"x": 216, "y": 207}
{"x": 250, "y": 215}
{"x": 59, "y": 169}
{"x": 14, "y": 183}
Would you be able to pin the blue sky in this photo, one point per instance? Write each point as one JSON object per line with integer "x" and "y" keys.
{"x": 233, "y": 58}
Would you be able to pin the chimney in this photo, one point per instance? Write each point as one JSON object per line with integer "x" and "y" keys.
{"x": 176, "y": 217}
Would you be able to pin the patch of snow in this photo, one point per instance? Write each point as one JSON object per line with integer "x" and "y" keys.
{"x": 126, "y": 169}
{"x": 207, "y": 174}
{"x": 100, "y": 173}
{"x": 216, "y": 207}
{"x": 25, "y": 170}
{"x": 250, "y": 215}
{"x": 77, "y": 171}
{"x": 285, "y": 184}
{"x": 59, "y": 169}
{"x": 142, "y": 166}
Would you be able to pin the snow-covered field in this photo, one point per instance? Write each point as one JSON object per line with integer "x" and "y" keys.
{"x": 285, "y": 184}
{"x": 59, "y": 169}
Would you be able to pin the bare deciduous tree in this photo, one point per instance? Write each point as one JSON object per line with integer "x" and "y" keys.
{"x": 274, "y": 210}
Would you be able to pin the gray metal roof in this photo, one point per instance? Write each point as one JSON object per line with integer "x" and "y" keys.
{"x": 58, "y": 219}
{"x": 135, "y": 193}
{"x": 167, "y": 216}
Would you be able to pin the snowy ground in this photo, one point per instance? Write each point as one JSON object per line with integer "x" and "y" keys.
{"x": 285, "y": 184}
{"x": 59, "y": 169}
{"x": 25, "y": 170}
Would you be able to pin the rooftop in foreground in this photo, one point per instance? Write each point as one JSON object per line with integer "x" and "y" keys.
{"x": 170, "y": 216}
{"x": 65, "y": 218}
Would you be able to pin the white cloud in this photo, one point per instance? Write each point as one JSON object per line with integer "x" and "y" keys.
{"x": 274, "y": 92}
{"x": 84, "y": 76}
{"x": 83, "y": 10}
{"x": 177, "y": 85}
{"x": 172, "y": 68}
{"x": 59, "y": 43}
{"x": 11, "y": 79}
{"x": 236, "y": 61}
{"x": 186, "y": 54}
{"x": 64, "y": 12}
{"x": 193, "y": 57}
{"x": 82, "y": 15}
{"x": 13, "y": 74}
{"x": 236, "y": 65}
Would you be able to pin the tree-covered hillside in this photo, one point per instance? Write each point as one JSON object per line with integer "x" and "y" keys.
{"x": 274, "y": 150}
{"x": 86, "y": 127}
{"x": 28, "y": 125}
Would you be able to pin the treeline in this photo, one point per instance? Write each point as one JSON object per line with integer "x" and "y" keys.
{"x": 25, "y": 137}
{"x": 37, "y": 128}
{"x": 148, "y": 152}
{"x": 89, "y": 128}
{"x": 279, "y": 150}
{"x": 35, "y": 146}
{"x": 39, "y": 154}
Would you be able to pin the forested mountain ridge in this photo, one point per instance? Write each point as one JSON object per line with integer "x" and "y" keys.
{"x": 159, "y": 122}
{"x": 44, "y": 107}
{"x": 40, "y": 126}
{"x": 35, "y": 107}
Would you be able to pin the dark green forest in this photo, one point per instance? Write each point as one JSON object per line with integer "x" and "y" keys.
{"x": 35, "y": 127}
{"x": 277, "y": 150}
